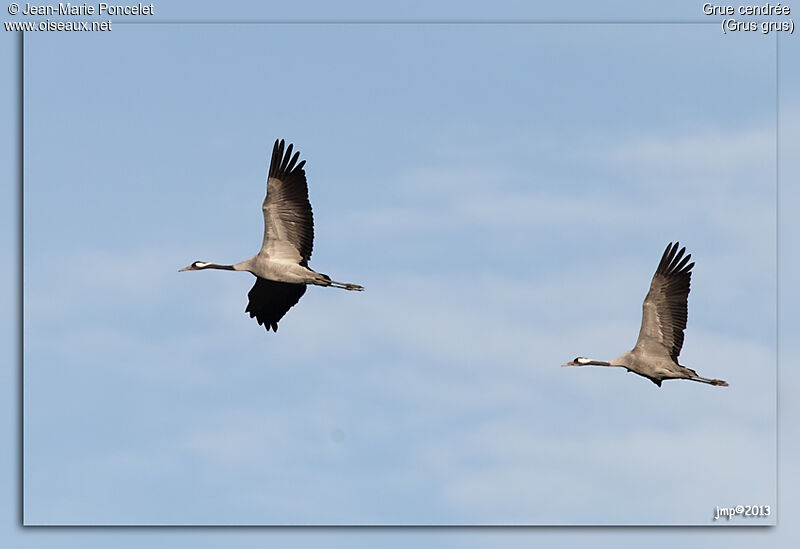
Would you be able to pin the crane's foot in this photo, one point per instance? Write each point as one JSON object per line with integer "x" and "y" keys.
{"x": 355, "y": 287}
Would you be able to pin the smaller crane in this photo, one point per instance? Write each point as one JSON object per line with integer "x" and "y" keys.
{"x": 664, "y": 314}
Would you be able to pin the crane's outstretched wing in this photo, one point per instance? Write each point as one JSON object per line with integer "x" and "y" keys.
{"x": 664, "y": 310}
{"x": 269, "y": 301}
{"x": 288, "y": 221}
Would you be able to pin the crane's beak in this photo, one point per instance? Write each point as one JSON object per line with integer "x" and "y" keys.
{"x": 187, "y": 268}
{"x": 570, "y": 363}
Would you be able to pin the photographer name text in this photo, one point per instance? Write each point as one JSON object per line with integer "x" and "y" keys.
{"x": 101, "y": 8}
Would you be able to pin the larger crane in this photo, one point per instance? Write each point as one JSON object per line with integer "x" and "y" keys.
{"x": 281, "y": 266}
{"x": 664, "y": 313}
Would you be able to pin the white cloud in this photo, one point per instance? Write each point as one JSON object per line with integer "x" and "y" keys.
{"x": 700, "y": 159}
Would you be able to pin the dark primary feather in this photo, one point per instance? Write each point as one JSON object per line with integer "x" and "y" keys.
{"x": 270, "y": 300}
{"x": 664, "y": 311}
{"x": 287, "y": 211}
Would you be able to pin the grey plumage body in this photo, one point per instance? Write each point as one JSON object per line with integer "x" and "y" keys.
{"x": 664, "y": 314}
{"x": 281, "y": 266}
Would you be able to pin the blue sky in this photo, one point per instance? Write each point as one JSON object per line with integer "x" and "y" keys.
{"x": 504, "y": 193}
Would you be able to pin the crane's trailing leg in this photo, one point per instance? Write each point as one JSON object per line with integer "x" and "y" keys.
{"x": 717, "y": 382}
{"x": 326, "y": 281}
{"x": 690, "y": 374}
{"x": 347, "y": 286}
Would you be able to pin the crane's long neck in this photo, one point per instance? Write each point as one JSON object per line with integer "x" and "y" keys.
{"x": 583, "y": 361}
{"x": 592, "y": 362}
{"x": 215, "y": 266}
{"x": 201, "y": 265}
{"x": 246, "y": 265}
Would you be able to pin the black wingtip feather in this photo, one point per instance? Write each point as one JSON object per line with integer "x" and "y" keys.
{"x": 286, "y": 157}
{"x": 282, "y": 163}
{"x": 674, "y": 261}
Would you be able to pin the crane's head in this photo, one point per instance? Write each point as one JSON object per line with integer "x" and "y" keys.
{"x": 196, "y": 266}
{"x": 579, "y": 361}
